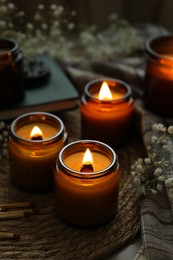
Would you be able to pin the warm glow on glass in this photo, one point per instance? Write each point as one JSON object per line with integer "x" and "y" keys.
{"x": 87, "y": 159}
{"x": 105, "y": 93}
{"x": 36, "y": 132}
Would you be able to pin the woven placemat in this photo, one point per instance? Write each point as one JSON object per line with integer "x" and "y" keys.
{"x": 46, "y": 236}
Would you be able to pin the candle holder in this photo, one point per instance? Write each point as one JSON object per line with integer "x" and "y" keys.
{"x": 11, "y": 73}
{"x": 86, "y": 198}
{"x": 32, "y": 159}
{"x": 109, "y": 121}
{"x": 158, "y": 92}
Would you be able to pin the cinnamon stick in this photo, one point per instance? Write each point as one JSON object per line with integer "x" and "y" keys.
{"x": 17, "y": 214}
{"x": 6, "y": 206}
{"x": 9, "y": 235}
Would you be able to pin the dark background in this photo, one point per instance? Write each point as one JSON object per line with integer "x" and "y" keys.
{"x": 159, "y": 12}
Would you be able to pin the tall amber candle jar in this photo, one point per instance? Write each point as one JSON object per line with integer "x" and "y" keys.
{"x": 158, "y": 93}
{"x": 107, "y": 120}
{"x": 86, "y": 197}
{"x": 32, "y": 159}
{"x": 11, "y": 72}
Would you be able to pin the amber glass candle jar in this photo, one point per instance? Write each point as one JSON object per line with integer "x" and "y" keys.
{"x": 158, "y": 93}
{"x": 32, "y": 157}
{"x": 107, "y": 120}
{"x": 85, "y": 195}
{"x": 11, "y": 73}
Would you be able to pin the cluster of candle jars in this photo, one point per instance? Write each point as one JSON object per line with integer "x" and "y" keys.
{"x": 85, "y": 174}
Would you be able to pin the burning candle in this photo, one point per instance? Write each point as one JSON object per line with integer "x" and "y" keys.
{"x": 107, "y": 111}
{"x": 158, "y": 92}
{"x": 86, "y": 186}
{"x": 35, "y": 139}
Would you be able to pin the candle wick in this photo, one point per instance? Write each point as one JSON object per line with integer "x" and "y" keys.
{"x": 37, "y": 137}
{"x": 87, "y": 168}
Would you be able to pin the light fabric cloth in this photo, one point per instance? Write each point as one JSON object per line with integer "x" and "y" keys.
{"x": 156, "y": 212}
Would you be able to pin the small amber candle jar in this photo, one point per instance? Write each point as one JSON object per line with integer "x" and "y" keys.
{"x": 91, "y": 197}
{"x": 110, "y": 120}
{"x": 158, "y": 93}
{"x": 32, "y": 160}
{"x": 11, "y": 73}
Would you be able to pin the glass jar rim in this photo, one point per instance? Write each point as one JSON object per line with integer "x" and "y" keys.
{"x": 153, "y": 44}
{"x": 10, "y": 45}
{"x": 96, "y": 145}
{"x": 29, "y": 118}
{"x": 121, "y": 83}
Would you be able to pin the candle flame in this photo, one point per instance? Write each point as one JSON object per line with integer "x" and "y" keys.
{"x": 87, "y": 159}
{"x": 36, "y": 133}
{"x": 105, "y": 93}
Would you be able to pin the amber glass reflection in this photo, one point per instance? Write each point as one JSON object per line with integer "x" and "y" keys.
{"x": 158, "y": 93}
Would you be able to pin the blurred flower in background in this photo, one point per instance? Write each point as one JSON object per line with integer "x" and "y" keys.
{"x": 52, "y": 30}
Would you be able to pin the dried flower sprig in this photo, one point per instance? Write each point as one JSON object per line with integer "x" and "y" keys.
{"x": 120, "y": 38}
{"x": 49, "y": 31}
{"x": 45, "y": 32}
{"x": 150, "y": 173}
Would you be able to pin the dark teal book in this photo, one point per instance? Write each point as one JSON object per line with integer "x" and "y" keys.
{"x": 54, "y": 94}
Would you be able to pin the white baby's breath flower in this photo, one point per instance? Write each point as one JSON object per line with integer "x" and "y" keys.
{"x": 20, "y": 14}
{"x": 53, "y": 6}
{"x": 133, "y": 173}
{"x": 159, "y": 187}
{"x": 137, "y": 181}
{"x": 159, "y": 127}
{"x": 139, "y": 161}
{"x": 73, "y": 13}
{"x": 11, "y": 6}
{"x": 10, "y": 25}
{"x": 161, "y": 178}
{"x": 139, "y": 168}
{"x": 37, "y": 17}
{"x": 154, "y": 139}
{"x": 70, "y": 26}
{"x": 148, "y": 147}
{"x": 166, "y": 147}
{"x": 41, "y": 7}
{"x": 170, "y": 130}
{"x": 113, "y": 17}
{"x": 44, "y": 26}
{"x": 60, "y": 9}
{"x": 62, "y": 39}
{"x": 154, "y": 191}
{"x": 57, "y": 13}
{"x": 29, "y": 26}
{"x": 4, "y": 9}
{"x": 147, "y": 160}
{"x": 169, "y": 182}
{"x": 158, "y": 172}
{"x": 55, "y": 24}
